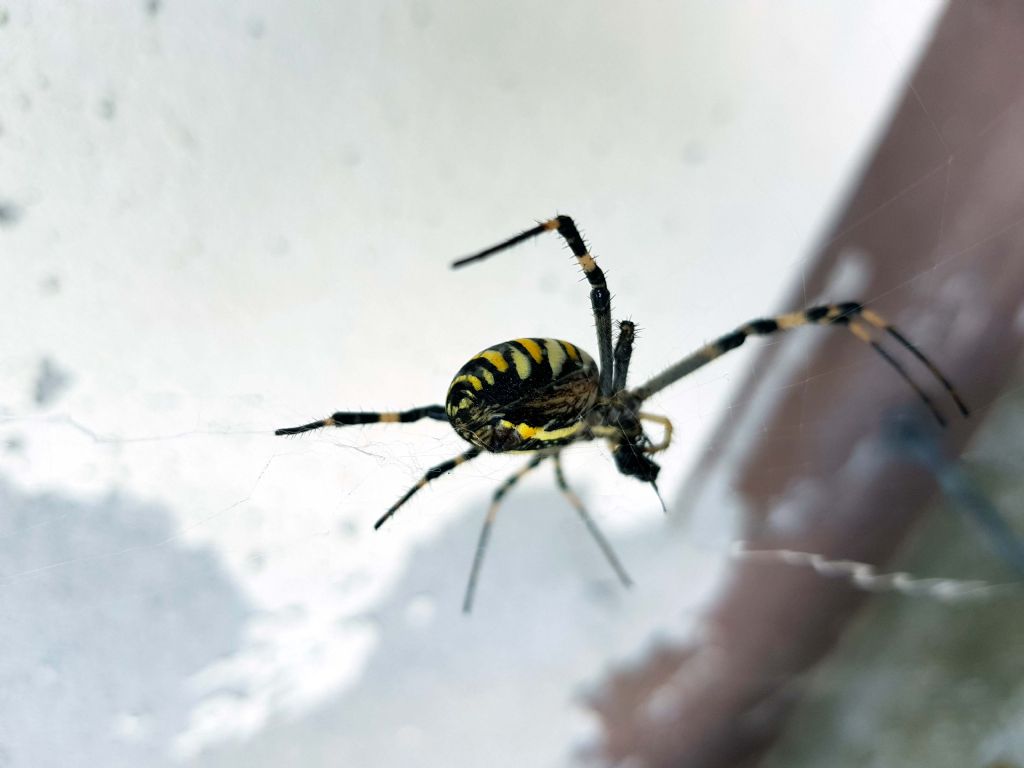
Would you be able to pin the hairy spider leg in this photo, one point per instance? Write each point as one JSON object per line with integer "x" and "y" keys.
{"x": 827, "y": 314}
{"x": 345, "y": 418}
{"x": 432, "y": 474}
{"x": 588, "y": 521}
{"x": 574, "y": 501}
{"x": 862, "y": 333}
{"x": 600, "y": 298}
{"x": 622, "y": 354}
{"x": 876, "y": 320}
{"x": 485, "y": 532}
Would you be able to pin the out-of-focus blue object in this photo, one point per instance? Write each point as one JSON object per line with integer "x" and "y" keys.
{"x": 910, "y": 434}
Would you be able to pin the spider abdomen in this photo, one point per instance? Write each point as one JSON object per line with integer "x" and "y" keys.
{"x": 523, "y": 395}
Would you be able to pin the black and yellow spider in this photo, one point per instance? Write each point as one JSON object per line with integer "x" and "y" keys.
{"x": 541, "y": 395}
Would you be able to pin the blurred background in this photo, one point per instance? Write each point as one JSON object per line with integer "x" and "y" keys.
{"x": 220, "y": 219}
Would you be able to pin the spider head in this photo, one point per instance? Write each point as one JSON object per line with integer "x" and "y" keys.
{"x": 632, "y": 460}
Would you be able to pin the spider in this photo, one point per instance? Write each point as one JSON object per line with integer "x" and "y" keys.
{"x": 541, "y": 395}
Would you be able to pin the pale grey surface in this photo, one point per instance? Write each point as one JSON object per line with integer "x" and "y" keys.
{"x": 96, "y": 645}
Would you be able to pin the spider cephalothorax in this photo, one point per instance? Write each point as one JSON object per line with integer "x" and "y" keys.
{"x": 542, "y": 395}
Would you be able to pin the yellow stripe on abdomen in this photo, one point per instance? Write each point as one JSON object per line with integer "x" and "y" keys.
{"x": 533, "y": 348}
{"x": 522, "y": 363}
{"x": 495, "y": 358}
{"x": 472, "y": 380}
{"x": 556, "y": 356}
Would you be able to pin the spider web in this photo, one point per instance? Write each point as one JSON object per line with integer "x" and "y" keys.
{"x": 137, "y": 459}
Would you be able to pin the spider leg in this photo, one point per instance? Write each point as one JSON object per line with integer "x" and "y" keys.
{"x": 864, "y": 335}
{"x": 600, "y": 298}
{"x": 432, "y": 473}
{"x": 623, "y": 352}
{"x": 828, "y": 314}
{"x": 876, "y": 320}
{"x": 485, "y": 532}
{"x": 595, "y": 532}
{"x": 344, "y": 418}
{"x": 666, "y": 435}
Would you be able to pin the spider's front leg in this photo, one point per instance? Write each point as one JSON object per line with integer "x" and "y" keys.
{"x": 623, "y": 353}
{"x": 863, "y": 323}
